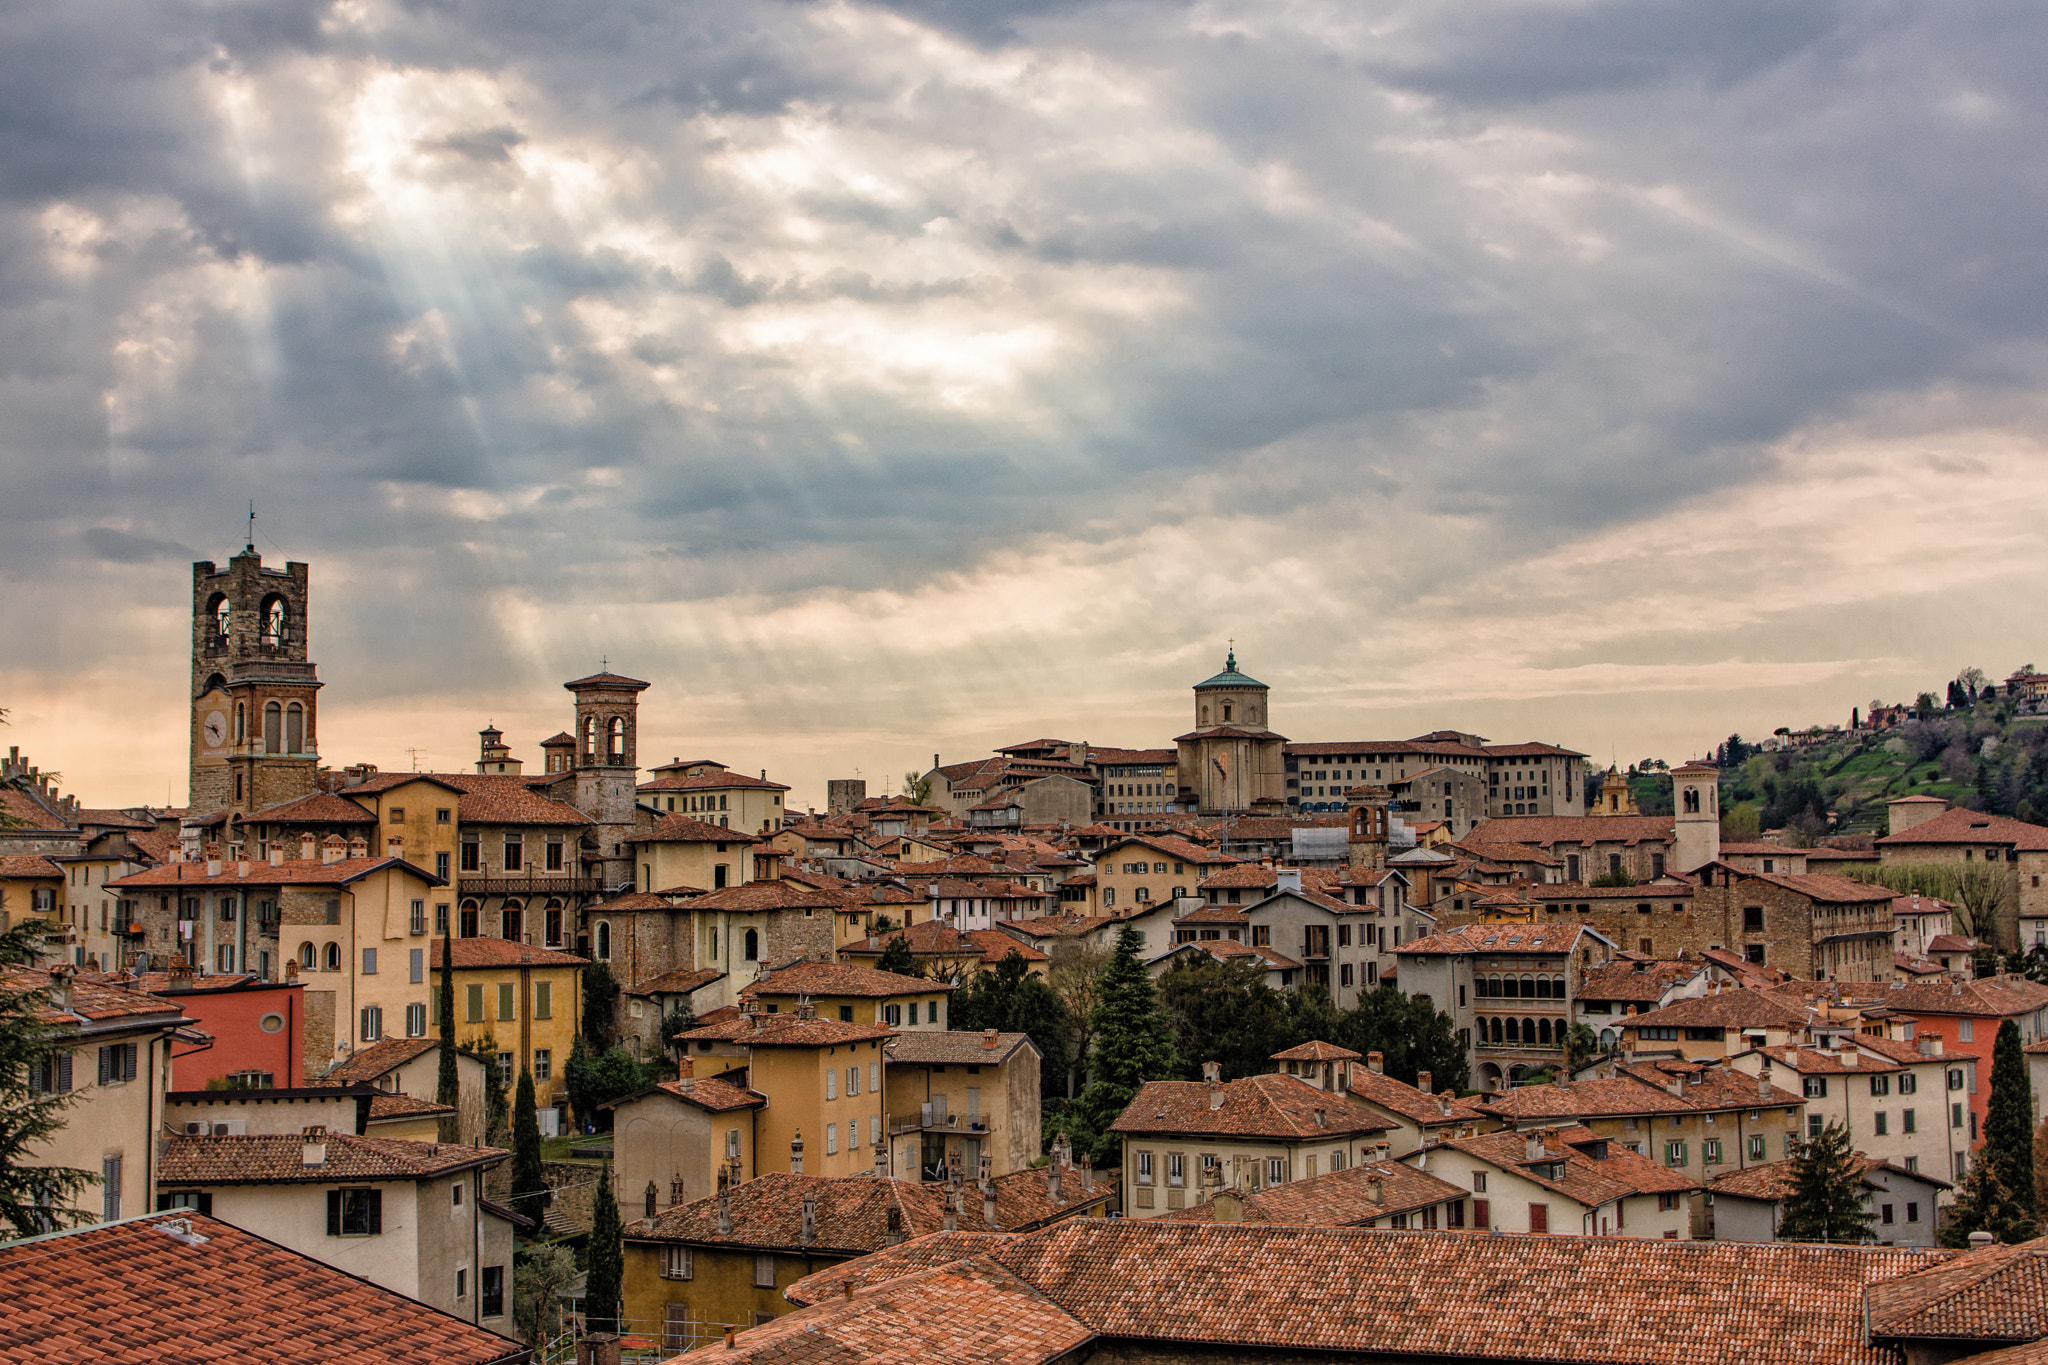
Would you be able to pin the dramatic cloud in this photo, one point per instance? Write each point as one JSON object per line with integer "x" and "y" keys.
{"x": 882, "y": 378}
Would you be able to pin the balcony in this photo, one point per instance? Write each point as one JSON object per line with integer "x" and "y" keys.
{"x": 541, "y": 884}
{"x": 132, "y": 929}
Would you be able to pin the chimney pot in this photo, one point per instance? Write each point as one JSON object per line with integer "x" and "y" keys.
{"x": 1981, "y": 1239}
{"x": 1422, "y": 1081}
{"x": 1534, "y": 1149}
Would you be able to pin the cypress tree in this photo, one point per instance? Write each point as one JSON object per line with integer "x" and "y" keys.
{"x": 1132, "y": 1042}
{"x": 448, "y": 1086}
{"x": 604, "y": 1286}
{"x": 896, "y": 957}
{"x": 1984, "y": 1204}
{"x": 2009, "y": 1121}
{"x": 529, "y": 1180}
{"x": 1826, "y": 1201}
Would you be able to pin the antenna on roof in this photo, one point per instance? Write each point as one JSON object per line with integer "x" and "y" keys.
{"x": 415, "y": 752}
{"x": 252, "y": 526}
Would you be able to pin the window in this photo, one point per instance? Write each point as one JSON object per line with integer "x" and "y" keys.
{"x": 1539, "y": 1218}
{"x": 1482, "y": 1214}
{"x": 678, "y": 1263}
{"x": 506, "y": 1003}
{"x": 473, "y": 997}
{"x": 455, "y": 1193}
{"x": 1955, "y": 1078}
{"x": 1276, "y": 1170}
{"x": 1908, "y": 1083}
{"x": 1816, "y": 1087}
{"x": 462, "y": 1282}
{"x": 1176, "y": 1169}
{"x": 764, "y": 1270}
{"x": 415, "y": 1021}
{"x": 1710, "y": 1150}
{"x": 110, "y": 1188}
{"x": 1814, "y": 1124}
{"x": 752, "y": 946}
{"x": 472, "y": 854}
{"x": 515, "y": 853}
{"x": 1966, "y": 1030}
{"x": 117, "y": 1063}
{"x": 373, "y": 1023}
{"x": 831, "y": 1139}
{"x": 309, "y": 956}
{"x": 1756, "y": 1147}
{"x": 604, "y": 940}
{"x": 1955, "y": 1115}
{"x": 493, "y": 1286}
{"x": 441, "y": 913}
{"x": 1912, "y": 1213}
{"x": 333, "y": 956}
{"x": 506, "y": 1060}
{"x": 369, "y": 962}
{"x": 543, "y": 999}
{"x": 846, "y": 1014}
{"x": 543, "y": 1063}
{"x": 199, "y": 1201}
{"x": 853, "y": 1084}
{"x": 1906, "y": 1123}
{"x": 1144, "y": 1168}
{"x": 1880, "y": 1085}
{"x": 1479, "y": 1182}
{"x": 356, "y": 1213}
{"x": 1674, "y": 1154}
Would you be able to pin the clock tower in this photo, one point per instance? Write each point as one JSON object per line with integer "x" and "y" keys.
{"x": 254, "y": 694}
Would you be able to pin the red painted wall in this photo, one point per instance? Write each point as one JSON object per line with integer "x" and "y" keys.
{"x": 234, "y": 1018}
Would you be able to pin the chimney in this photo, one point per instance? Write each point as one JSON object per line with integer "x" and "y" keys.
{"x": 1443, "y": 1104}
{"x": 895, "y": 1226}
{"x": 1981, "y": 1239}
{"x": 653, "y": 1198}
{"x": 988, "y": 1040}
{"x": 796, "y": 1153}
{"x": 724, "y": 1205}
{"x": 988, "y": 1203}
{"x": 1376, "y": 1063}
{"x": 359, "y": 847}
{"x": 1052, "y": 1176}
{"x": 810, "y": 1228}
{"x": 277, "y": 855}
{"x": 1930, "y": 1044}
{"x": 1212, "y": 1073}
{"x": 314, "y": 1152}
{"x": 1422, "y": 1081}
{"x": 394, "y": 847}
{"x": 60, "y": 985}
{"x": 599, "y": 1348}
{"x": 675, "y": 1190}
{"x": 308, "y": 847}
{"x": 213, "y": 860}
{"x": 1848, "y": 1054}
{"x": 1289, "y": 879}
{"x": 242, "y": 870}
{"x": 1763, "y": 1083}
{"x": 333, "y": 849}
{"x": 1375, "y": 1189}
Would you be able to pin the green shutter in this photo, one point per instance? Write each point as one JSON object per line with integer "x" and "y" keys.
{"x": 475, "y": 1000}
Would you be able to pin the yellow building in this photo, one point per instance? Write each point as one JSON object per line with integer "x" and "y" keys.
{"x": 680, "y": 1136}
{"x": 417, "y": 818}
{"x": 30, "y": 884}
{"x": 823, "y": 1081}
{"x": 686, "y": 851}
{"x": 1147, "y": 869}
{"x": 715, "y": 795}
{"x": 853, "y": 995}
{"x": 528, "y": 1001}
{"x": 955, "y": 1098}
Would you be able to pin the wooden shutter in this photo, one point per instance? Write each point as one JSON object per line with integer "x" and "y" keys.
{"x": 128, "y": 1056}
{"x": 107, "y": 1064}
{"x": 334, "y": 1213}
{"x": 1539, "y": 1218}
{"x": 63, "y": 1071}
{"x": 376, "y": 1209}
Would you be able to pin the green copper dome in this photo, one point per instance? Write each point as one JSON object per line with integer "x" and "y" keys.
{"x": 1229, "y": 677}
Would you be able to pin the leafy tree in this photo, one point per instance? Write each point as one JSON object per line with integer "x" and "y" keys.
{"x": 30, "y": 1195}
{"x": 1010, "y": 999}
{"x": 529, "y": 1179}
{"x": 896, "y": 958}
{"x": 1132, "y": 1044}
{"x": 1223, "y": 1012}
{"x": 1311, "y": 1017}
{"x": 576, "y": 1080}
{"x": 1075, "y": 975}
{"x": 448, "y": 1084}
{"x": 595, "y": 1081}
{"x": 2009, "y": 1120}
{"x": 917, "y": 787}
{"x": 600, "y": 1006}
{"x": 1410, "y": 1033}
{"x": 1984, "y": 1204}
{"x": 497, "y": 1113}
{"x": 539, "y": 1275}
{"x": 604, "y": 1286}
{"x": 1620, "y": 876}
{"x": 1579, "y": 1044}
{"x": 1986, "y": 788}
{"x": 1826, "y": 1201}
{"x": 675, "y": 1024}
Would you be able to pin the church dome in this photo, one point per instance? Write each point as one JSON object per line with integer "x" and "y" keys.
{"x": 1229, "y": 677}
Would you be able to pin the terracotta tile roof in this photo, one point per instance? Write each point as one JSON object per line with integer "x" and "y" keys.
{"x": 385, "y": 1105}
{"x": 98, "y": 1000}
{"x": 1726, "y": 1009}
{"x": 936, "y": 938}
{"x": 615, "y": 681}
{"x": 839, "y": 978}
{"x": 1773, "y": 1181}
{"x": 278, "y": 1158}
{"x": 681, "y": 981}
{"x": 785, "y": 1030}
{"x": 1226, "y": 949}
{"x": 1333, "y": 748}
{"x": 293, "y": 872}
{"x": 1215, "y": 914}
{"x": 1826, "y": 887}
{"x": 1619, "y": 1096}
{"x": 503, "y": 952}
{"x": 1257, "y": 876}
{"x": 321, "y": 808}
{"x": 932, "y": 1250}
{"x": 1340, "y": 1199}
{"x": 368, "y": 1063}
{"x": 950, "y": 1048}
{"x": 1998, "y": 1292}
{"x": 1572, "y": 891}
{"x": 1061, "y": 926}
{"x": 1316, "y": 1051}
{"x": 1576, "y": 1163}
{"x": 953, "y": 888}
{"x": 1637, "y": 982}
{"x": 711, "y": 782}
{"x": 1172, "y": 846}
{"x": 706, "y": 1092}
{"x": 28, "y": 865}
{"x": 1807, "y": 1061}
{"x": 688, "y": 829}
{"x": 1497, "y": 938}
{"x": 1255, "y": 1106}
{"x": 1399, "y": 1097}
{"x": 1550, "y": 830}
{"x": 754, "y": 898}
{"x": 499, "y": 799}
{"x": 1994, "y": 997}
{"x": 107, "y": 817}
{"x": 1709, "y": 1087}
{"x": 1959, "y": 826}
{"x": 231, "y": 1296}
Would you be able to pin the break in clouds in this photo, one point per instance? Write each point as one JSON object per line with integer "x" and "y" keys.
{"x": 943, "y": 369}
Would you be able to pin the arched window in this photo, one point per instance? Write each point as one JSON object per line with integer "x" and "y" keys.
{"x": 753, "y": 945}
{"x": 604, "y": 940}
{"x": 1528, "y": 1032}
{"x": 1543, "y": 1032}
{"x": 334, "y": 957}
{"x": 219, "y": 608}
{"x": 590, "y": 738}
{"x": 1514, "y": 1032}
{"x": 511, "y": 920}
{"x": 1557, "y": 988}
{"x": 618, "y": 739}
{"x": 273, "y": 622}
{"x": 470, "y": 911}
{"x": 1496, "y": 1031}
{"x": 308, "y": 955}
{"x": 294, "y": 729}
{"x": 1542, "y": 988}
{"x": 273, "y": 728}
{"x": 1692, "y": 800}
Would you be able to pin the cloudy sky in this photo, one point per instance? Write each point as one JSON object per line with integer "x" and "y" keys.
{"x": 882, "y": 379}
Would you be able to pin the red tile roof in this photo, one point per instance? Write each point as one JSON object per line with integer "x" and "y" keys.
{"x": 321, "y": 808}
{"x": 1726, "y": 1009}
{"x": 1576, "y": 1163}
{"x": 681, "y": 981}
{"x": 212, "y": 1293}
{"x": 503, "y": 952}
{"x": 786, "y": 1030}
{"x": 839, "y": 978}
{"x": 96, "y": 999}
{"x": 1996, "y": 997}
{"x": 499, "y": 799}
{"x": 1773, "y": 1180}
{"x": 1340, "y": 1199}
{"x": 1550, "y": 830}
{"x": 688, "y": 829}
{"x": 368, "y": 1063}
{"x": 705, "y": 1092}
{"x": 385, "y": 1105}
{"x": 1497, "y": 938}
{"x": 721, "y": 781}
{"x": 611, "y": 681}
{"x": 293, "y": 872}
{"x": 1418, "y": 1107}
{"x": 1994, "y": 1291}
{"x": 922, "y": 1047}
{"x": 1282, "y": 1107}
{"x": 279, "y": 1158}
{"x": 1639, "y": 982}
{"x": 1625, "y": 1095}
{"x": 938, "y": 939}
{"x": 932, "y": 1250}
{"x": 1960, "y": 826}
{"x": 29, "y": 865}
{"x": 1316, "y": 1051}
{"x": 755, "y": 898}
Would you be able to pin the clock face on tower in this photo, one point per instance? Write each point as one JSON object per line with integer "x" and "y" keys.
{"x": 216, "y": 729}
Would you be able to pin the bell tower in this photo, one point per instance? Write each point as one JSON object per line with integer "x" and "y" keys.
{"x": 254, "y": 693}
{"x": 607, "y": 765}
{"x": 1695, "y": 816}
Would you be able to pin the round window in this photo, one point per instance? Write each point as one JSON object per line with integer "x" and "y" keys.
{"x": 271, "y": 1023}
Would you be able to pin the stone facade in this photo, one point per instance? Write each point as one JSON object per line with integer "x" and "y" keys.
{"x": 254, "y": 693}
